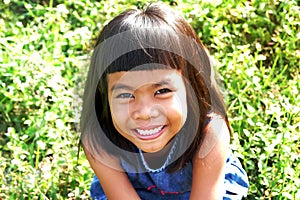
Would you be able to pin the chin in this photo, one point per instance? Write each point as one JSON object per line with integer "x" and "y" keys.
{"x": 151, "y": 149}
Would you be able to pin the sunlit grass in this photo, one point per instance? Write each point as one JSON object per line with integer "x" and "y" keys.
{"x": 44, "y": 51}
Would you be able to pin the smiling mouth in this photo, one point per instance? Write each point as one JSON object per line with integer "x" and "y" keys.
{"x": 149, "y": 132}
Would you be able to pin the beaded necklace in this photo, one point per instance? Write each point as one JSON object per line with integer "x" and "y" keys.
{"x": 166, "y": 162}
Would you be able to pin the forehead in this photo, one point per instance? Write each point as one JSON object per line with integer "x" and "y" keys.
{"x": 136, "y": 79}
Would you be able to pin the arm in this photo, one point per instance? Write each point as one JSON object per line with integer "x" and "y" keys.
{"x": 114, "y": 182}
{"x": 208, "y": 171}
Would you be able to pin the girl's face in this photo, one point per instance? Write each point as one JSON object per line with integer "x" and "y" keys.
{"x": 148, "y": 107}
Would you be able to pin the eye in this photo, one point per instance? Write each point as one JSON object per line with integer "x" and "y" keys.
{"x": 125, "y": 96}
{"x": 163, "y": 91}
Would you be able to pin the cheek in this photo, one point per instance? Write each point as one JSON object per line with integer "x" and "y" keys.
{"x": 120, "y": 114}
{"x": 181, "y": 104}
{"x": 115, "y": 115}
{"x": 177, "y": 109}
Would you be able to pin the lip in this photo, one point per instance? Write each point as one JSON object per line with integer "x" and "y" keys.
{"x": 151, "y": 136}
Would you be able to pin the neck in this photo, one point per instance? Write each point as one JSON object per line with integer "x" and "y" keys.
{"x": 157, "y": 159}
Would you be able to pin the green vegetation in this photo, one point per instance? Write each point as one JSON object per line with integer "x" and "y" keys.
{"x": 44, "y": 51}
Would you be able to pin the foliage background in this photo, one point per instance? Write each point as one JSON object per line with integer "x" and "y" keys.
{"x": 45, "y": 46}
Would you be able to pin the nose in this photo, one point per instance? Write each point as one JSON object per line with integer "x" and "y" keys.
{"x": 144, "y": 108}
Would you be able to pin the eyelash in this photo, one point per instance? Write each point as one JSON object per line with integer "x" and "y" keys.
{"x": 125, "y": 96}
{"x": 163, "y": 91}
{"x": 158, "y": 92}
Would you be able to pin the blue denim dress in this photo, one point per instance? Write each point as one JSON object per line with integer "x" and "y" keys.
{"x": 159, "y": 184}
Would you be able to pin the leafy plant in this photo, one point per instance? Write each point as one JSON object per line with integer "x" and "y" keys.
{"x": 45, "y": 48}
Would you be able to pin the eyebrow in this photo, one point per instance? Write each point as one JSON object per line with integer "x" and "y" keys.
{"x": 121, "y": 86}
{"x": 165, "y": 82}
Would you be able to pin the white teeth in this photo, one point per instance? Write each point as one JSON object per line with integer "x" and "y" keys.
{"x": 149, "y": 131}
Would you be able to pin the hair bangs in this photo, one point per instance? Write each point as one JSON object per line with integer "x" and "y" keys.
{"x": 140, "y": 40}
{"x": 146, "y": 59}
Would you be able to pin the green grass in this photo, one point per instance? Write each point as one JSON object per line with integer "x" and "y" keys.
{"x": 44, "y": 52}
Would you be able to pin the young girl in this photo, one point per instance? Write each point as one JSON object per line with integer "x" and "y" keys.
{"x": 153, "y": 121}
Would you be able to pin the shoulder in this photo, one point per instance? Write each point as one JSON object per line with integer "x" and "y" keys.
{"x": 209, "y": 162}
{"x": 216, "y": 136}
{"x": 102, "y": 158}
